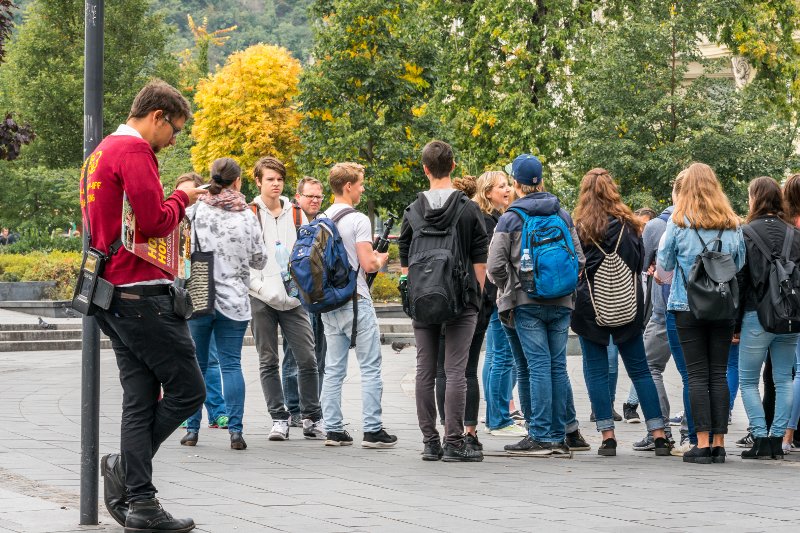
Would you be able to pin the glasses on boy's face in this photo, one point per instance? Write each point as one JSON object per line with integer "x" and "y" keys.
{"x": 175, "y": 131}
{"x": 312, "y": 197}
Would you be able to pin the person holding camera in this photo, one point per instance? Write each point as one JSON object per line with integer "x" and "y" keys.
{"x": 150, "y": 339}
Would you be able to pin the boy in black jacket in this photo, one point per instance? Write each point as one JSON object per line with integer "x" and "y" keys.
{"x": 442, "y": 207}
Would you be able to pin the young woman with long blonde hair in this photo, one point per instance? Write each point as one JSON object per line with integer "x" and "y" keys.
{"x": 702, "y": 214}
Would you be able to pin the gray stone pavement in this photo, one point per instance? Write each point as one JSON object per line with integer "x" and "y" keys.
{"x": 300, "y": 485}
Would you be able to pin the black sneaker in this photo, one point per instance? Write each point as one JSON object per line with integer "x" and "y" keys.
{"x": 529, "y": 446}
{"x": 560, "y": 448}
{"x": 473, "y": 442}
{"x": 697, "y": 455}
{"x": 718, "y": 454}
{"x": 295, "y": 421}
{"x": 746, "y": 442}
{"x": 646, "y": 444}
{"x": 630, "y": 414}
{"x": 662, "y": 447}
{"x": 338, "y": 438}
{"x": 617, "y": 417}
{"x": 462, "y": 453}
{"x": 608, "y": 448}
{"x": 576, "y": 442}
{"x": 378, "y": 439}
{"x": 517, "y": 416}
{"x": 433, "y": 451}
{"x": 148, "y": 515}
{"x": 190, "y": 439}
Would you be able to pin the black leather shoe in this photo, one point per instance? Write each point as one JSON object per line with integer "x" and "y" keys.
{"x": 147, "y": 516}
{"x": 114, "y": 495}
{"x": 776, "y": 446}
{"x": 190, "y": 439}
{"x": 718, "y": 454}
{"x": 237, "y": 441}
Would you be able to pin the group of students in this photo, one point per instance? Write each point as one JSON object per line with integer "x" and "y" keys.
{"x": 635, "y": 296}
{"x": 251, "y": 244}
{"x": 628, "y": 298}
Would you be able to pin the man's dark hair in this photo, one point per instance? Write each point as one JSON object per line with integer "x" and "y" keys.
{"x": 271, "y": 163}
{"x": 194, "y": 177}
{"x": 438, "y": 157}
{"x": 160, "y": 95}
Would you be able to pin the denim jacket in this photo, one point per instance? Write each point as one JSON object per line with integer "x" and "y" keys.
{"x": 682, "y": 246}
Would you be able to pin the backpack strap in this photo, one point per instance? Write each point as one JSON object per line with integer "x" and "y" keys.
{"x": 354, "y": 331}
{"x": 788, "y": 240}
{"x": 619, "y": 239}
{"x": 297, "y": 215}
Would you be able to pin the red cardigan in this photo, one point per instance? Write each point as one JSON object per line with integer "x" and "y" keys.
{"x": 124, "y": 163}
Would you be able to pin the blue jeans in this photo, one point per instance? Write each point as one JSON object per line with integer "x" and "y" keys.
{"x": 752, "y": 354}
{"x": 595, "y": 370}
{"x": 291, "y": 395}
{"x": 613, "y": 369}
{"x": 796, "y": 393}
{"x": 733, "y": 373}
{"x": 539, "y": 343}
{"x": 215, "y": 401}
{"x": 498, "y": 369}
{"x": 680, "y": 363}
{"x": 228, "y": 335}
{"x": 338, "y": 329}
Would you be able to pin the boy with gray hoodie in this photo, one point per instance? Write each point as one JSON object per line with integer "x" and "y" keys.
{"x": 273, "y": 307}
{"x": 537, "y": 329}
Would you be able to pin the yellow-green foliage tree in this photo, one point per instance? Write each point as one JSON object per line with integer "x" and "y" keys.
{"x": 246, "y": 110}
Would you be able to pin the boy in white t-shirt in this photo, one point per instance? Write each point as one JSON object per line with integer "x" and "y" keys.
{"x": 347, "y": 184}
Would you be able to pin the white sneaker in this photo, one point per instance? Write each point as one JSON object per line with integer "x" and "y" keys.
{"x": 314, "y": 430}
{"x": 679, "y": 449}
{"x": 510, "y": 431}
{"x": 280, "y": 430}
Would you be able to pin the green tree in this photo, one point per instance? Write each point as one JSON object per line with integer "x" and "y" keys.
{"x": 643, "y": 121}
{"x": 43, "y": 78}
{"x": 365, "y": 95}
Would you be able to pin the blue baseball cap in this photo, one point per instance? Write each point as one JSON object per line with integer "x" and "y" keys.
{"x": 526, "y": 169}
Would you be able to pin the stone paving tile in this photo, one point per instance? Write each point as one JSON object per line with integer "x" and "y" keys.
{"x": 300, "y": 485}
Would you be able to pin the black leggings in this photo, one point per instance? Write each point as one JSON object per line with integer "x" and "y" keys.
{"x": 471, "y": 373}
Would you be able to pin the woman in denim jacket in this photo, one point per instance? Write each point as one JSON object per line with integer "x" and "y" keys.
{"x": 702, "y": 210}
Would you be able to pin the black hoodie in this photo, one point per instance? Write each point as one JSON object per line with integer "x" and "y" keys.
{"x": 471, "y": 231}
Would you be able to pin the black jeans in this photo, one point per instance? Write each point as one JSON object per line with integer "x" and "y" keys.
{"x": 471, "y": 373}
{"x": 154, "y": 349}
{"x": 459, "y": 332}
{"x": 705, "y": 345}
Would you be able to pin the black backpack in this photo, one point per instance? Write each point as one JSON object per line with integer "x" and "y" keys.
{"x": 438, "y": 280}
{"x": 712, "y": 289}
{"x": 779, "y": 309}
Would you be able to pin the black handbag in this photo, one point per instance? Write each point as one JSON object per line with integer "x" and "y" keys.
{"x": 200, "y": 284}
{"x": 712, "y": 290}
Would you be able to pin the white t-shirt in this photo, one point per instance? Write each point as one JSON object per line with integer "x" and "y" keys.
{"x": 353, "y": 228}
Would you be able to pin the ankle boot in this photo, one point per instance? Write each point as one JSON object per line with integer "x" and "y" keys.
{"x": 776, "y": 445}
{"x": 114, "y": 495}
{"x": 147, "y": 516}
{"x": 762, "y": 449}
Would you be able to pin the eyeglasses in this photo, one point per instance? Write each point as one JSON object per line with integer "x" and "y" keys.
{"x": 175, "y": 131}
{"x": 312, "y": 197}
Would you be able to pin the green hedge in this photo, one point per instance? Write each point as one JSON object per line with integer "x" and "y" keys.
{"x": 42, "y": 243}
{"x": 384, "y": 288}
{"x": 61, "y": 267}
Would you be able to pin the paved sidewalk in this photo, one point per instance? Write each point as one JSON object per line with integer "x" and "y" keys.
{"x": 301, "y": 485}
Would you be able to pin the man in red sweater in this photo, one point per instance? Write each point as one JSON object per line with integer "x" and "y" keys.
{"x": 152, "y": 344}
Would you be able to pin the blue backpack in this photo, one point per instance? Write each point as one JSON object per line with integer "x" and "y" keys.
{"x": 320, "y": 267}
{"x": 555, "y": 263}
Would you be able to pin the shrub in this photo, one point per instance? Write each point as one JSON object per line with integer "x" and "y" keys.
{"x": 394, "y": 252}
{"x": 61, "y": 267}
{"x": 42, "y": 243}
{"x": 384, "y": 288}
